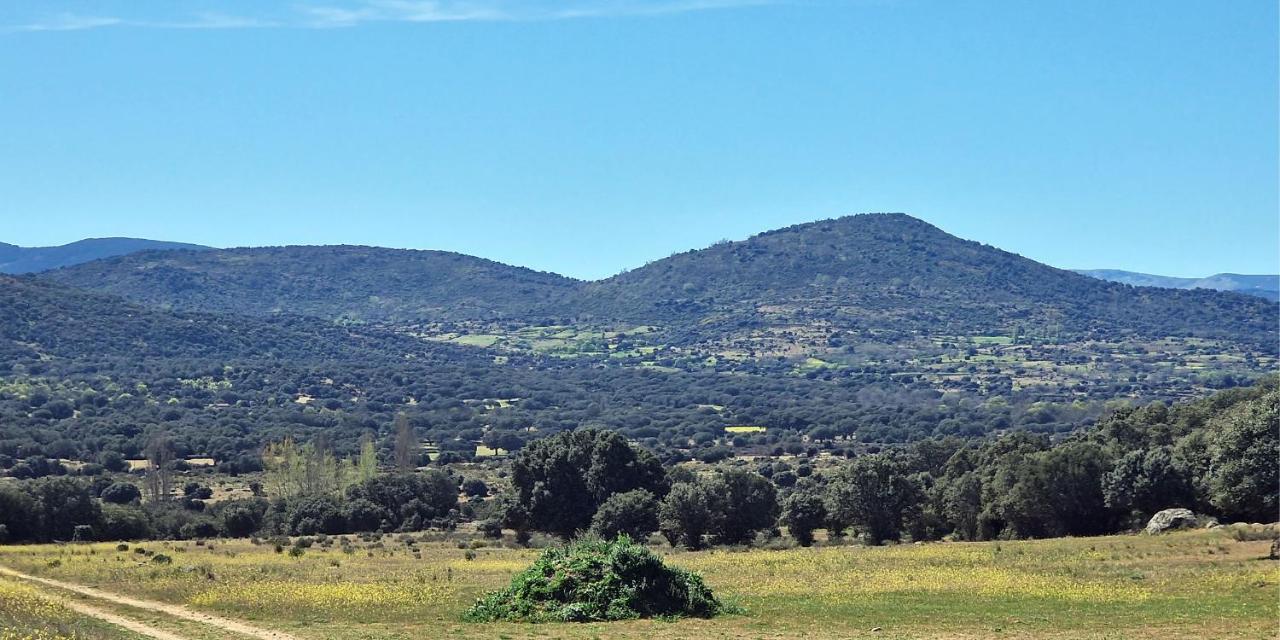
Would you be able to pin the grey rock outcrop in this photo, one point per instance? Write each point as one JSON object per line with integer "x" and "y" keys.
{"x": 1171, "y": 519}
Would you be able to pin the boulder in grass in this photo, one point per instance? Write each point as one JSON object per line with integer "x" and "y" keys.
{"x": 595, "y": 581}
{"x": 1172, "y": 519}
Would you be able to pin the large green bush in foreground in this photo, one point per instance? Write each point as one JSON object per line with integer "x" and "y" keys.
{"x": 597, "y": 580}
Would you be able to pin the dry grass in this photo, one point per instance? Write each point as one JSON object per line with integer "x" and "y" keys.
{"x": 1184, "y": 585}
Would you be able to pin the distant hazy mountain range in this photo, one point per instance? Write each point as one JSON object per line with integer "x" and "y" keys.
{"x": 15, "y": 259}
{"x": 1263, "y": 286}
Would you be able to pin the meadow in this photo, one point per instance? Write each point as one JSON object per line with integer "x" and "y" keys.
{"x": 1182, "y": 585}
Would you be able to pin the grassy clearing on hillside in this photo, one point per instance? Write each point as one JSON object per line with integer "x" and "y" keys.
{"x": 1184, "y": 585}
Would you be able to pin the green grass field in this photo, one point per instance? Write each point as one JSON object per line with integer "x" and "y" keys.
{"x": 1183, "y": 585}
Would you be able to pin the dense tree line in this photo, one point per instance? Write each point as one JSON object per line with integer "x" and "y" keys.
{"x": 74, "y": 509}
{"x": 1218, "y": 456}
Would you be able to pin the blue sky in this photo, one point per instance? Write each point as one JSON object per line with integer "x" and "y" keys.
{"x": 590, "y": 136}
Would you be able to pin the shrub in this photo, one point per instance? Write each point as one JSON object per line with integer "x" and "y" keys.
{"x": 121, "y": 493}
{"x": 475, "y": 487}
{"x": 596, "y": 580}
{"x": 490, "y": 528}
{"x": 241, "y": 520}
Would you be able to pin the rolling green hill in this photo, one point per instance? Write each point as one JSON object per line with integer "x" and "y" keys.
{"x": 48, "y": 323}
{"x": 859, "y": 300}
{"x": 894, "y": 274}
{"x": 340, "y": 283}
{"x": 878, "y": 274}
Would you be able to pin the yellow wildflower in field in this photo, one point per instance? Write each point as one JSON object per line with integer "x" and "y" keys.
{"x": 14, "y": 634}
{"x": 344, "y": 596}
{"x": 839, "y": 572}
{"x": 22, "y": 606}
{"x": 20, "y": 599}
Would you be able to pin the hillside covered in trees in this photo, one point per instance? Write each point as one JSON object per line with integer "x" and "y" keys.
{"x": 871, "y": 273}
{"x": 336, "y": 283}
{"x": 839, "y": 335}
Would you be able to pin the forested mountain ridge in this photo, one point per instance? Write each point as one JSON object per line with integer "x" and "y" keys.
{"x": 895, "y": 273}
{"x": 886, "y": 276}
{"x": 868, "y": 295}
{"x": 15, "y": 259}
{"x": 337, "y": 283}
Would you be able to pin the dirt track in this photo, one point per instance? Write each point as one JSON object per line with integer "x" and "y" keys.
{"x": 176, "y": 611}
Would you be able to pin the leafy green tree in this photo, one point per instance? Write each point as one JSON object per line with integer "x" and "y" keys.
{"x": 367, "y": 463}
{"x": 410, "y": 501}
{"x": 62, "y": 504}
{"x": 690, "y": 511}
{"x": 365, "y": 515}
{"x": 1145, "y": 481}
{"x": 750, "y": 505}
{"x": 634, "y": 513}
{"x": 310, "y": 515}
{"x": 124, "y": 522}
{"x": 1054, "y": 492}
{"x": 113, "y": 461}
{"x": 873, "y": 493}
{"x": 242, "y": 518}
{"x": 1244, "y": 448}
{"x": 803, "y": 512}
{"x": 962, "y": 504}
{"x": 559, "y": 482}
{"x": 18, "y": 513}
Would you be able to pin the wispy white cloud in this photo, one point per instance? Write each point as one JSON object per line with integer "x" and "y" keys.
{"x": 67, "y": 22}
{"x": 78, "y": 22}
{"x": 333, "y": 14}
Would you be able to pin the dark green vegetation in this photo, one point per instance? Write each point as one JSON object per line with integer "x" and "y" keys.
{"x": 559, "y": 482}
{"x": 865, "y": 274}
{"x": 337, "y": 283}
{"x": 1216, "y": 456}
{"x": 597, "y": 580}
{"x": 1263, "y": 286}
{"x": 843, "y": 337}
{"x": 15, "y": 259}
{"x": 68, "y": 508}
{"x": 881, "y": 295}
